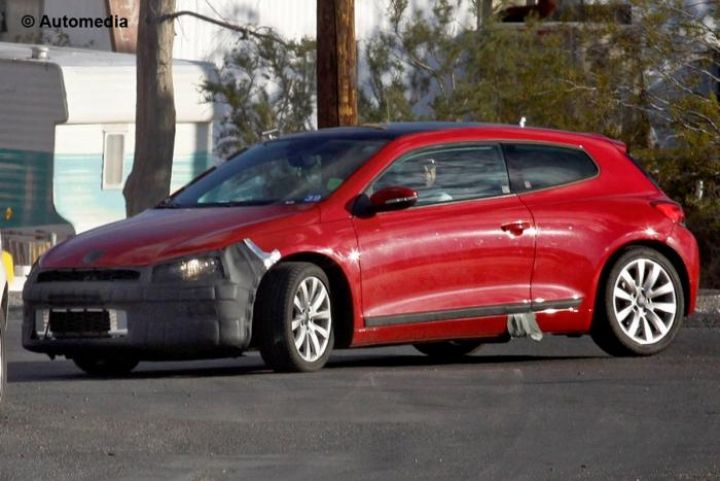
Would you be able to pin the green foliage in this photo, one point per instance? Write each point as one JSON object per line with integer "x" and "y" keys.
{"x": 267, "y": 86}
{"x": 498, "y": 73}
{"x": 511, "y": 73}
{"x": 383, "y": 98}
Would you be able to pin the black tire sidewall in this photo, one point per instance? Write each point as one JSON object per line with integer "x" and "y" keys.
{"x": 614, "y": 325}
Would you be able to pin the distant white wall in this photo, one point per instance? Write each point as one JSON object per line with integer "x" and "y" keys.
{"x": 95, "y": 38}
{"x": 293, "y": 19}
{"x": 199, "y": 40}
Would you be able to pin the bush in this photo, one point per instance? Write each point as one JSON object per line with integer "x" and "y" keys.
{"x": 267, "y": 86}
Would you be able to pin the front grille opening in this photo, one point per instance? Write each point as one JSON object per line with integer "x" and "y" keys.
{"x": 79, "y": 323}
{"x": 88, "y": 275}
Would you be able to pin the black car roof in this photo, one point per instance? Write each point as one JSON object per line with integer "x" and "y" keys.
{"x": 386, "y": 131}
{"x": 391, "y": 131}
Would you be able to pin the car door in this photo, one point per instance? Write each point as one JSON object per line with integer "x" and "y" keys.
{"x": 554, "y": 182}
{"x": 465, "y": 250}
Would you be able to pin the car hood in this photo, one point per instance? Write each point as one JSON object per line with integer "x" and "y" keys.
{"x": 161, "y": 234}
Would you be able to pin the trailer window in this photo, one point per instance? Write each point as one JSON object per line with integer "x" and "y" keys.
{"x": 113, "y": 155}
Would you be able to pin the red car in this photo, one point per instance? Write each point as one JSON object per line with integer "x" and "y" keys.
{"x": 446, "y": 236}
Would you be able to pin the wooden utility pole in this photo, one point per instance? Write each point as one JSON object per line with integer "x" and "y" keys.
{"x": 336, "y": 63}
{"x": 124, "y": 39}
{"x": 149, "y": 180}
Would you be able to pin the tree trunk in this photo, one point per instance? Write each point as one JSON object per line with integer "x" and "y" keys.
{"x": 483, "y": 10}
{"x": 336, "y": 63}
{"x": 149, "y": 180}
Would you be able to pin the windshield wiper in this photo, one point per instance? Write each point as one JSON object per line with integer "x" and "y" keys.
{"x": 168, "y": 204}
{"x": 239, "y": 203}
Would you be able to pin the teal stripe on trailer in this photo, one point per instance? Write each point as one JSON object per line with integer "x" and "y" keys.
{"x": 26, "y": 188}
{"x": 79, "y": 195}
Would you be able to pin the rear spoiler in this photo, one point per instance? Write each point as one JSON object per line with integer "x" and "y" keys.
{"x": 619, "y": 144}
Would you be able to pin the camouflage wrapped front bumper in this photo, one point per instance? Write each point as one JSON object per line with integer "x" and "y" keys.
{"x": 149, "y": 320}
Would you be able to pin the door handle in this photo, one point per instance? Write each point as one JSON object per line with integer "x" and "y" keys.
{"x": 516, "y": 228}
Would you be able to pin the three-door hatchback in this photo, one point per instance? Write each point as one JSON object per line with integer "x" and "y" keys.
{"x": 446, "y": 236}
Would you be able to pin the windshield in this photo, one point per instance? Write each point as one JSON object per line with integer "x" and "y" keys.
{"x": 290, "y": 171}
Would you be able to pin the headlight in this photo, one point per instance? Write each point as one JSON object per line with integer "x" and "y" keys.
{"x": 191, "y": 270}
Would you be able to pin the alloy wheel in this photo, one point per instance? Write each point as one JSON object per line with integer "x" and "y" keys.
{"x": 645, "y": 301}
{"x": 311, "y": 319}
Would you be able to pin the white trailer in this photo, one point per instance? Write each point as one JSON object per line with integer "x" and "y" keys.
{"x": 67, "y": 131}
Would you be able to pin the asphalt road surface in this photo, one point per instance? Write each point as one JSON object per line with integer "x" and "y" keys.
{"x": 555, "y": 410}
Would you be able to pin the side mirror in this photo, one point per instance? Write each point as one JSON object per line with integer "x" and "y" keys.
{"x": 393, "y": 198}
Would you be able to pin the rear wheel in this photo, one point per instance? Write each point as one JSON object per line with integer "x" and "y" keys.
{"x": 643, "y": 305}
{"x": 294, "y": 318}
{"x": 105, "y": 366}
{"x": 448, "y": 350}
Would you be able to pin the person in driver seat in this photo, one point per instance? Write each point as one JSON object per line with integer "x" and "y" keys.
{"x": 430, "y": 192}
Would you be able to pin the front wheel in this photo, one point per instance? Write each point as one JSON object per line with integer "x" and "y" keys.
{"x": 644, "y": 305}
{"x": 448, "y": 350}
{"x": 294, "y": 318}
{"x": 105, "y": 366}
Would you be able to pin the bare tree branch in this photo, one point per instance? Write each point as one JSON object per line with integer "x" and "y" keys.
{"x": 248, "y": 32}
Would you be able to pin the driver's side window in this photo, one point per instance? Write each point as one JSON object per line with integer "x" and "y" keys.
{"x": 449, "y": 173}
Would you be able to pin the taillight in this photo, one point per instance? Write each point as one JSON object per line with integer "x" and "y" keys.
{"x": 671, "y": 210}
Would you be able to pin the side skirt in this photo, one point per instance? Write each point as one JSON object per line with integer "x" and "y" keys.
{"x": 471, "y": 313}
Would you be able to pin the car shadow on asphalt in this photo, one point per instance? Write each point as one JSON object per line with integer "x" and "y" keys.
{"x": 60, "y": 370}
{"x": 423, "y": 361}
{"x": 34, "y": 371}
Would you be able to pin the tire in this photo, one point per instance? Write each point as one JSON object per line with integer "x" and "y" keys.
{"x": 448, "y": 350}
{"x": 641, "y": 306}
{"x": 105, "y": 367}
{"x": 3, "y": 361}
{"x": 294, "y": 318}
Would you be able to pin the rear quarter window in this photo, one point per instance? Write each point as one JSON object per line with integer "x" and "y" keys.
{"x": 639, "y": 166}
{"x": 534, "y": 167}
